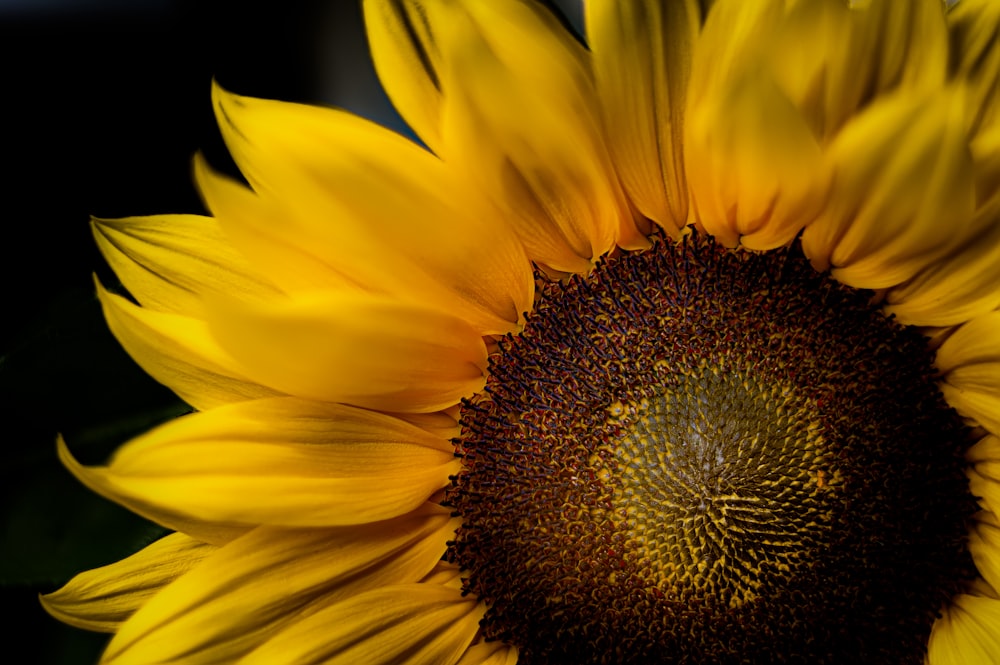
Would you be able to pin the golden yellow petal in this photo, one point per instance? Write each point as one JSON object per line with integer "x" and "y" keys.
{"x": 259, "y": 229}
{"x": 102, "y": 598}
{"x": 489, "y": 653}
{"x": 179, "y": 352}
{"x": 985, "y": 450}
{"x": 253, "y": 588}
{"x": 753, "y": 165}
{"x": 890, "y": 46}
{"x": 903, "y": 192}
{"x": 553, "y": 176}
{"x": 408, "y": 64}
{"x": 974, "y": 28}
{"x": 642, "y": 52}
{"x": 958, "y": 287}
{"x": 363, "y": 350}
{"x": 970, "y": 362}
{"x": 280, "y": 461}
{"x": 381, "y": 212}
{"x": 984, "y": 545}
{"x": 167, "y": 262}
{"x": 968, "y": 633}
{"x": 410, "y": 624}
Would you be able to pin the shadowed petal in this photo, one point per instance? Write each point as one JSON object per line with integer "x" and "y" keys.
{"x": 103, "y": 598}
{"x": 280, "y": 461}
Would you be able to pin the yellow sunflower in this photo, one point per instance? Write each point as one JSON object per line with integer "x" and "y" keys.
{"x": 682, "y": 345}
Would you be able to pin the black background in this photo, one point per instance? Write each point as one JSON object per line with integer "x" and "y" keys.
{"x": 103, "y": 106}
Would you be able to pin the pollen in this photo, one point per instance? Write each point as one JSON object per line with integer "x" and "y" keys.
{"x": 698, "y": 454}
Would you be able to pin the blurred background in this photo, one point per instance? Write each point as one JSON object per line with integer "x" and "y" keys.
{"x": 103, "y": 104}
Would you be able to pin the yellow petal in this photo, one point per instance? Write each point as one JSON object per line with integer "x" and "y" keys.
{"x": 967, "y": 633}
{"x": 984, "y": 544}
{"x": 380, "y": 211}
{"x": 974, "y": 27}
{"x": 903, "y": 192}
{"x": 958, "y": 287}
{"x": 408, "y": 64}
{"x": 101, "y": 599}
{"x": 970, "y": 362}
{"x": 642, "y": 53}
{"x": 490, "y": 653}
{"x": 179, "y": 352}
{"x": 520, "y": 118}
{"x": 361, "y": 350}
{"x": 402, "y": 624}
{"x": 891, "y": 46}
{"x": 167, "y": 262}
{"x": 754, "y": 167}
{"x": 251, "y": 589}
{"x": 279, "y": 461}
{"x": 259, "y": 228}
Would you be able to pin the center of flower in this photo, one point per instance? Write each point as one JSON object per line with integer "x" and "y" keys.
{"x": 724, "y": 485}
{"x": 703, "y": 455}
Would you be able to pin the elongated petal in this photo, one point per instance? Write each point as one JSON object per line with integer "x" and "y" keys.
{"x": 891, "y": 46}
{"x": 900, "y": 170}
{"x": 103, "y": 598}
{"x": 642, "y": 54}
{"x": 984, "y": 544}
{"x": 967, "y": 633}
{"x": 403, "y": 624}
{"x": 168, "y": 262}
{"x": 490, "y": 653}
{"x": 970, "y": 362}
{"x": 508, "y": 61}
{"x": 984, "y": 476}
{"x": 408, "y": 63}
{"x": 974, "y": 27}
{"x": 179, "y": 352}
{"x": 958, "y": 287}
{"x": 754, "y": 167}
{"x": 380, "y": 211}
{"x": 251, "y": 589}
{"x": 362, "y": 350}
{"x": 280, "y": 461}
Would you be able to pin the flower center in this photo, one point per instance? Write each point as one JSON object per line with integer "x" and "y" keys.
{"x": 703, "y": 455}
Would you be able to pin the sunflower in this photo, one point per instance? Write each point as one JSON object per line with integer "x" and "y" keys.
{"x": 675, "y": 342}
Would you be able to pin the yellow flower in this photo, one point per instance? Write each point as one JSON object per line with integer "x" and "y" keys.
{"x": 690, "y": 445}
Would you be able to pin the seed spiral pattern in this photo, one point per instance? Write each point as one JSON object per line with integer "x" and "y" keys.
{"x": 704, "y": 455}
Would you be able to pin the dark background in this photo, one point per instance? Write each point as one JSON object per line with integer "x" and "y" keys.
{"x": 103, "y": 103}
{"x": 102, "y": 106}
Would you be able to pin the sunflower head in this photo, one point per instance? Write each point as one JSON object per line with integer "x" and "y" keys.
{"x": 675, "y": 344}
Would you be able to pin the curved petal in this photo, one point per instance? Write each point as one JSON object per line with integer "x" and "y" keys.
{"x": 958, "y": 287}
{"x": 754, "y": 167}
{"x": 507, "y": 61}
{"x": 899, "y": 170}
{"x": 490, "y": 653}
{"x": 408, "y": 63}
{"x": 378, "y": 210}
{"x": 253, "y": 588}
{"x": 970, "y": 362}
{"x": 984, "y": 544}
{"x": 361, "y": 350}
{"x": 642, "y": 52}
{"x": 102, "y": 598}
{"x": 403, "y": 624}
{"x": 891, "y": 46}
{"x": 974, "y": 28}
{"x": 168, "y": 262}
{"x": 279, "y": 461}
{"x": 179, "y": 352}
{"x": 966, "y": 633}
